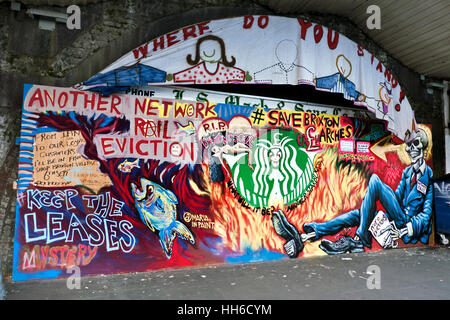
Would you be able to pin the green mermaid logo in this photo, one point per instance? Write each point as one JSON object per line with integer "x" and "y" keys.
{"x": 275, "y": 172}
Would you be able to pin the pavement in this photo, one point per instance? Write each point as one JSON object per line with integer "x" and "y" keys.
{"x": 419, "y": 273}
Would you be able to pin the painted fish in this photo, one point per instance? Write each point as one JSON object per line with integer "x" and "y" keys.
{"x": 126, "y": 166}
{"x": 189, "y": 129}
{"x": 157, "y": 209}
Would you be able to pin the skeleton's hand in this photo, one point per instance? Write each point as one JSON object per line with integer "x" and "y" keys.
{"x": 395, "y": 234}
{"x": 403, "y": 231}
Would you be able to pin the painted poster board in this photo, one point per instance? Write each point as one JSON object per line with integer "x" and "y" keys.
{"x": 128, "y": 183}
{"x": 263, "y": 50}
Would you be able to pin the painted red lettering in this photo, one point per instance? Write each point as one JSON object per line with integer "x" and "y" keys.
{"x": 380, "y": 66}
{"x": 115, "y": 101}
{"x": 150, "y": 108}
{"x": 172, "y": 38}
{"x": 202, "y": 27}
{"x": 47, "y": 95}
{"x": 333, "y": 41}
{"x": 75, "y": 96}
{"x": 248, "y": 22}
{"x": 100, "y": 102}
{"x": 304, "y": 25}
{"x": 198, "y": 109}
{"x": 81, "y": 251}
{"x": 387, "y": 75}
{"x": 263, "y": 21}
{"x": 121, "y": 146}
{"x": 143, "y": 50}
{"x": 222, "y": 125}
{"x": 189, "y": 32}
{"x": 37, "y": 95}
{"x": 318, "y": 33}
{"x": 360, "y": 51}
{"x": 139, "y": 125}
{"x": 138, "y": 148}
{"x": 106, "y": 144}
{"x": 209, "y": 109}
{"x": 402, "y": 95}
{"x": 90, "y": 101}
{"x": 137, "y": 103}
{"x": 166, "y": 105}
{"x": 66, "y": 98}
{"x": 394, "y": 83}
{"x": 158, "y": 43}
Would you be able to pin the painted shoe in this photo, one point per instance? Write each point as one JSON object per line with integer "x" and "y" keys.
{"x": 345, "y": 244}
{"x": 293, "y": 245}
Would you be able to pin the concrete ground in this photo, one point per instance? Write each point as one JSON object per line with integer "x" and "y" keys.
{"x": 415, "y": 273}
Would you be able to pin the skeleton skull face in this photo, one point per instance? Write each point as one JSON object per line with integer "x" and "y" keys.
{"x": 415, "y": 149}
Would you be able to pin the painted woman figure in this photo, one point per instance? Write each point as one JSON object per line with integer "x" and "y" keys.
{"x": 210, "y": 64}
{"x": 276, "y": 176}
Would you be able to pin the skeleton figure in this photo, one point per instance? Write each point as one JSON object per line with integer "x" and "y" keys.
{"x": 408, "y": 208}
{"x": 415, "y": 147}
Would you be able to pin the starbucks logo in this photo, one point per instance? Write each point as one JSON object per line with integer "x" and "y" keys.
{"x": 276, "y": 172}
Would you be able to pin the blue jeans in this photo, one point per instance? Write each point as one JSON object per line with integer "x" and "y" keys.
{"x": 377, "y": 190}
